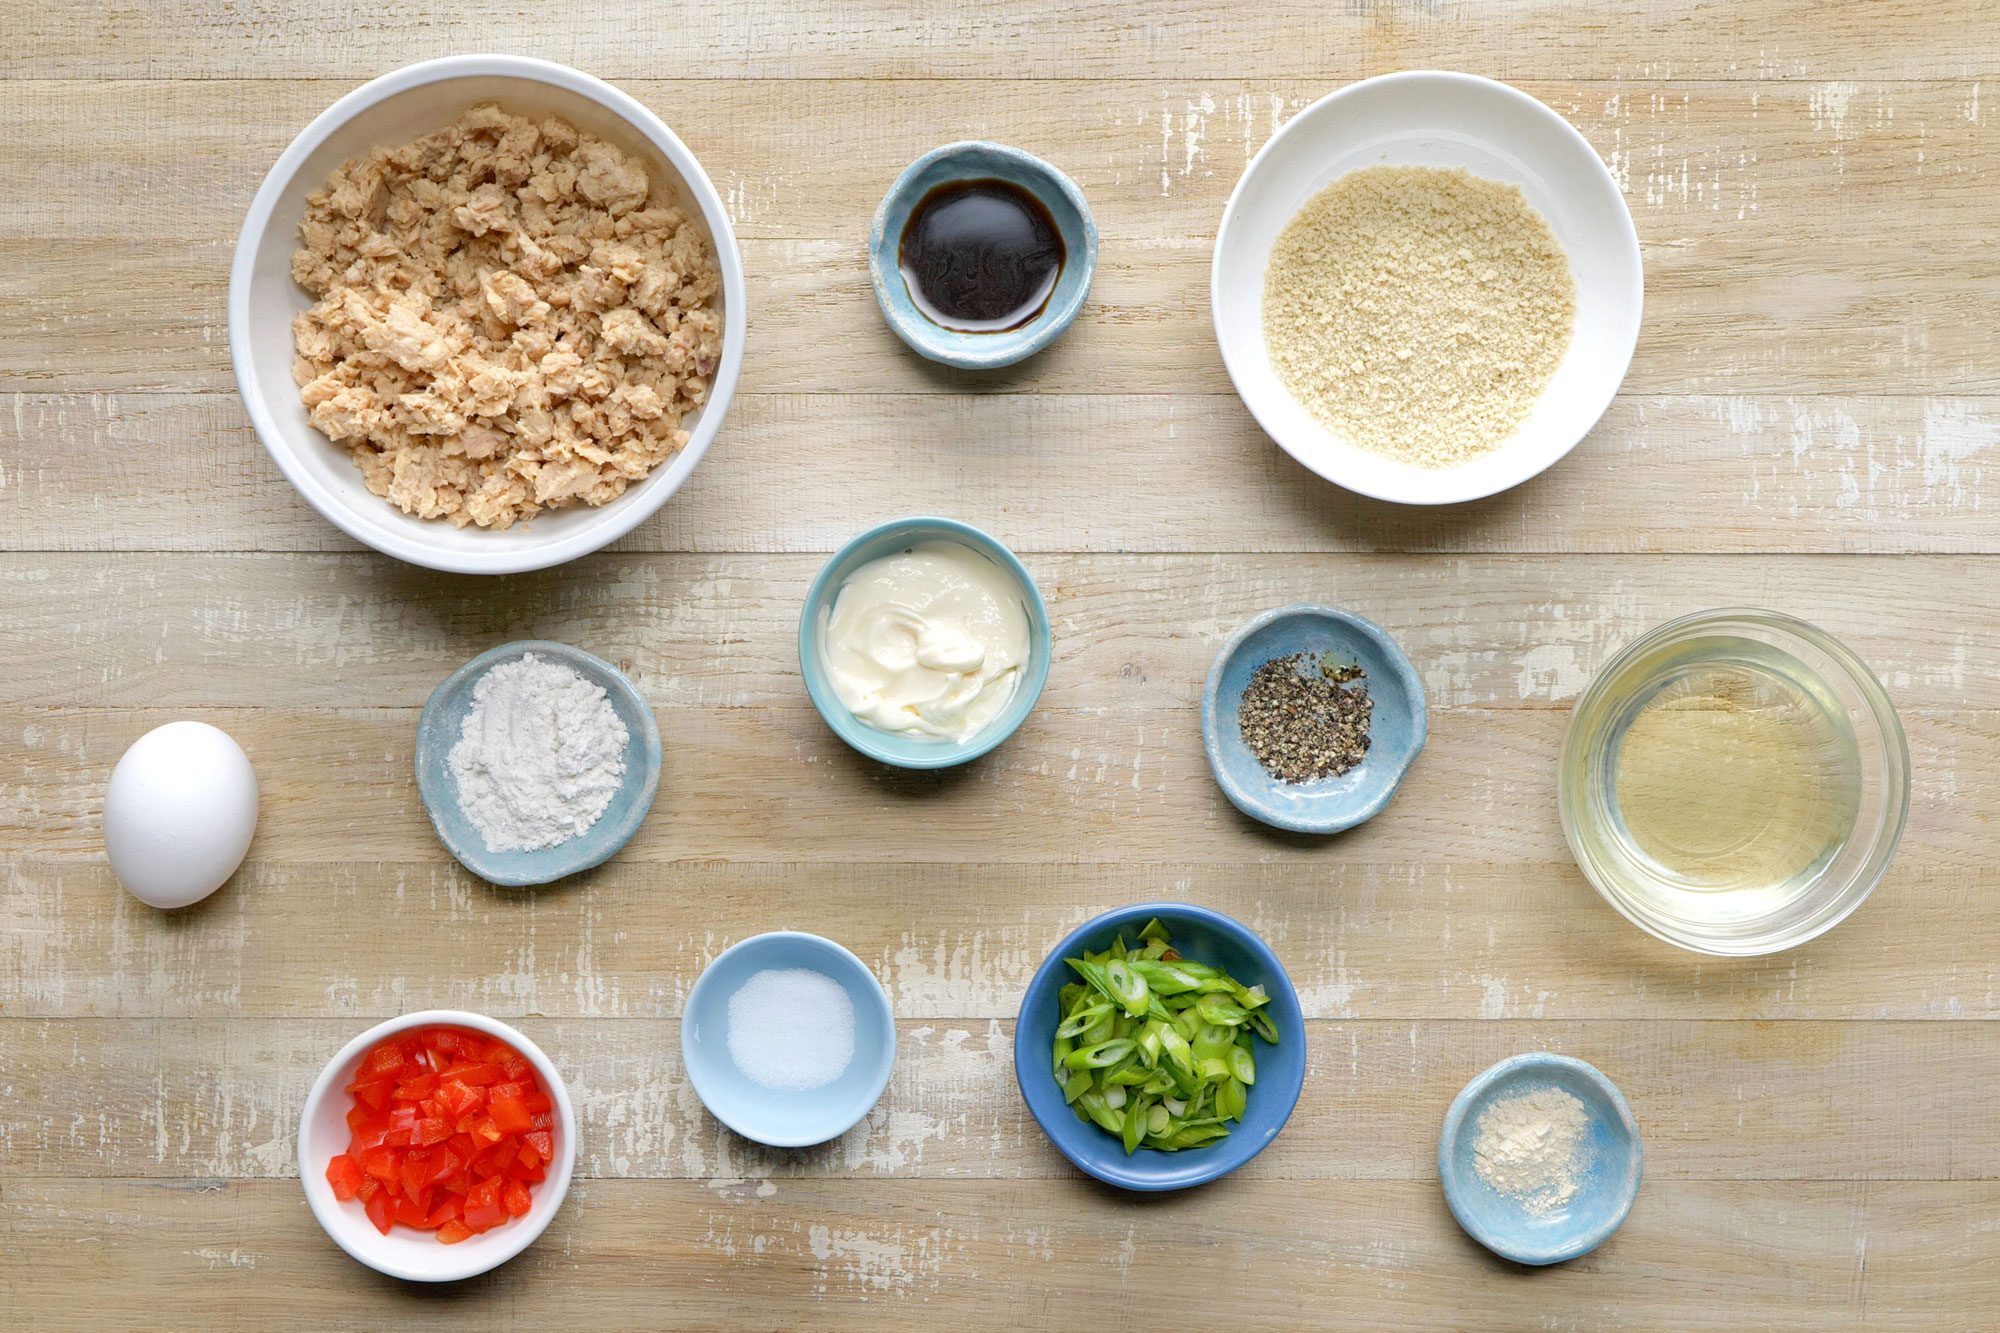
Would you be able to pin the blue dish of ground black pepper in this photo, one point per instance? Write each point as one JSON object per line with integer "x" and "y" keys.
{"x": 1336, "y": 642}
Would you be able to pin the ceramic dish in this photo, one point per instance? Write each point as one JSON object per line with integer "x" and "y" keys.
{"x": 263, "y": 300}
{"x": 779, "y": 1118}
{"x": 1207, "y": 937}
{"x": 1424, "y": 118}
{"x": 417, "y": 1256}
{"x": 982, "y": 161}
{"x": 1610, "y": 1182}
{"x": 1397, "y": 727}
{"x": 438, "y": 730}
{"x": 917, "y": 751}
{"x": 1735, "y": 647}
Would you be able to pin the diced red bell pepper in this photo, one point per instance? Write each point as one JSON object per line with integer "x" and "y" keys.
{"x": 458, "y": 1099}
{"x": 477, "y": 1075}
{"x": 381, "y": 1211}
{"x": 344, "y": 1174}
{"x": 410, "y": 1212}
{"x": 483, "y": 1210}
{"x": 495, "y": 1160}
{"x": 380, "y": 1163}
{"x": 449, "y": 1132}
{"x": 373, "y": 1094}
{"x": 385, "y": 1061}
{"x": 415, "y": 1171}
{"x": 445, "y": 1163}
{"x": 510, "y": 1114}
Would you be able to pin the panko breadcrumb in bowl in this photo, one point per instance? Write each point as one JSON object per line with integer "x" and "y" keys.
{"x": 486, "y": 314}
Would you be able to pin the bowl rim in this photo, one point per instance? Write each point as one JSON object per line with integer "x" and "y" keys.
{"x": 548, "y": 1197}
{"x": 1222, "y": 1163}
{"x": 1401, "y": 667}
{"x": 1627, "y": 236}
{"x": 859, "y": 735}
{"x": 1454, "y": 1185}
{"x": 1883, "y": 711}
{"x": 878, "y": 997}
{"x": 614, "y": 838}
{"x": 612, "y": 521}
{"x": 1013, "y": 345}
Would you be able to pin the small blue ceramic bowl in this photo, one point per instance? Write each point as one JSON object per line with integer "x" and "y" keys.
{"x": 1606, "y": 1190}
{"x": 1207, "y": 937}
{"x": 982, "y": 161}
{"x": 889, "y": 747}
{"x": 438, "y": 730}
{"x": 786, "y": 1119}
{"x": 1396, "y": 729}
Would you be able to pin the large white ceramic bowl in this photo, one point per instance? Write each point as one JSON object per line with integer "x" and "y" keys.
{"x": 418, "y": 1256}
{"x": 263, "y": 300}
{"x": 1430, "y": 118}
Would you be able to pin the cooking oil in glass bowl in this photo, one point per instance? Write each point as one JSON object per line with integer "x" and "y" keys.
{"x": 1734, "y": 782}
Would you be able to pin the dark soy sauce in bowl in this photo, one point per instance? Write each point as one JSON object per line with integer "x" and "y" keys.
{"x": 980, "y": 256}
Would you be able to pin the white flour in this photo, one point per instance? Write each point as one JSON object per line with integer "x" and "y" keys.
{"x": 540, "y": 755}
{"x": 1530, "y": 1148}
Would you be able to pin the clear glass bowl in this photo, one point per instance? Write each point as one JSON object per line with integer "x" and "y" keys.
{"x": 1805, "y": 837}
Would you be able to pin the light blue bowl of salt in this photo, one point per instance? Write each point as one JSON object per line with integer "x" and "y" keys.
{"x": 770, "y": 1045}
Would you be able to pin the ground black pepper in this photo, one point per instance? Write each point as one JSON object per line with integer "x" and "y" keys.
{"x": 1306, "y": 717}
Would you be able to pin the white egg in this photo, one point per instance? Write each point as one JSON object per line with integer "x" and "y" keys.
{"x": 180, "y": 813}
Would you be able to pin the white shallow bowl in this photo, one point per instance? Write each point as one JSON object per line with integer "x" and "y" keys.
{"x": 263, "y": 301}
{"x": 1435, "y": 119}
{"x": 417, "y": 1256}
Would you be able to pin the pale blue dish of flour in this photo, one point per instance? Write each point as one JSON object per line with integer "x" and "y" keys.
{"x": 438, "y": 730}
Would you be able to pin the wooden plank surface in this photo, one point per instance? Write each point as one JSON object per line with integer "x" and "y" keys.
{"x": 1807, "y": 425}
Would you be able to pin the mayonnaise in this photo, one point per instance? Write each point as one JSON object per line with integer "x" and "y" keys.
{"x": 930, "y": 641}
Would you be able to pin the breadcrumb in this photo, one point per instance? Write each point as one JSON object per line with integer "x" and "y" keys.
{"x": 1418, "y": 312}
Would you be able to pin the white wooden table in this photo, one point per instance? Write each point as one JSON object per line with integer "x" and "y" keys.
{"x": 1808, "y": 426}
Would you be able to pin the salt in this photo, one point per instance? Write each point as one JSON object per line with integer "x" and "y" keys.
{"x": 791, "y": 1029}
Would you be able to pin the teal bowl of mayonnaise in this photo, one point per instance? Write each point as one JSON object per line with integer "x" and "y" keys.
{"x": 924, "y": 643}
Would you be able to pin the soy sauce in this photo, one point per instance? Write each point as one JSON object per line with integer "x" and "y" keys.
{"x": 980, "y": 256}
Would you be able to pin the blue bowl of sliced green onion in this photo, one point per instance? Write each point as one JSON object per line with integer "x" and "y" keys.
{"x": 1160, "y": 1046}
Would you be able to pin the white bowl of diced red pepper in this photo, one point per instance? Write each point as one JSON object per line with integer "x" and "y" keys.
{"x": 437, "y": 1146}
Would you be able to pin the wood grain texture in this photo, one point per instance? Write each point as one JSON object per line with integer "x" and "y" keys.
{"x": 1808, "y": 425}
{"x": 1650, "y": 39}
{"x": 1822, "y": 474}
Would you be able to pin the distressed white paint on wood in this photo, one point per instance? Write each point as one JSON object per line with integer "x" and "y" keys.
{"x": 1515, "y": 940}
{"x": 1100, "y": 39}
{"x": 1133, "y": 633}
{"x": 1107, "y": 473}
{"x": 1693, "y": 1254}
{"x": 1073, "y": 786}
{"x": 1720, "y": 163}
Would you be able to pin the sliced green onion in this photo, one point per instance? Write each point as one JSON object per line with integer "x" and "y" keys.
{"x": 1083, "y": 1018}
{"x": 1155, "y": 1048}
{"x": 1102, "y": 1055}
{"x": 1127, "y": 986}
{"x": 1242, "y": 1066}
